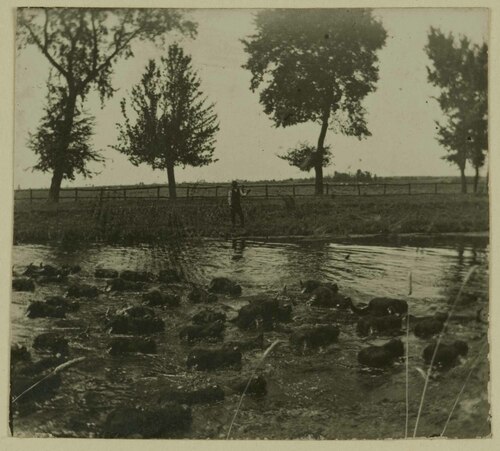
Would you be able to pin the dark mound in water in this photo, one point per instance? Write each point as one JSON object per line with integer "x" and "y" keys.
{"x": 126, "y": 345}
{"x": 382, "y": 307}
{"x": 256, "y": 386}
{"x": 210, "y": 332}
{"x": 106, "y": 273}
{"x": 263, "y": 314}
{"x": 447, "y": 354}
{"x": 223, "y": 285}
{"x": 51, "y": 341}
{"x": 213, "y": 359}
{"x": 381, "y": 356}
{"x": 383, "y": 325}
{"x": 315, "y": 337}
{"x": 156, "y": 298}
{"x": 171, "y": 421}
{"x": 83, "y": 291}
{"x": 23, "y": 284}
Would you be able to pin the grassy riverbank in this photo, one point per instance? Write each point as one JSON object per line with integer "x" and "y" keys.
{"x": 133, "y": 220}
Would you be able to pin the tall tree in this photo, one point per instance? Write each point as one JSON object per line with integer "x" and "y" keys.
{"x": 173, "y": 124}
{"x": 304, "y": 155}
{"x": 82, "y": 46}
{"x": 50, "y": 131}
{"x": 460, "y": 70}
{"x": 316, "y": 65}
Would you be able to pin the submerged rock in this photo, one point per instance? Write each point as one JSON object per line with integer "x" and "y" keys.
{"x": 223, "y": 285}
{"x": 381, "y": 356}
{"x": 171, "y": 421}
{"x": 125, "y": 345}
{"x": 23, "y": 284}
{"x": 205, "y": 395}
{"x": 65, "y": 304}
{"x": 212, "y": 359}
{"x": 315, "y": 337}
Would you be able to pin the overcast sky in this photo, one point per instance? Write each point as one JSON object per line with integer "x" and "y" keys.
{"x": 401, "y": 113}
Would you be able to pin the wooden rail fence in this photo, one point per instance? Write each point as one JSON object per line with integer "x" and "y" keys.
{"x": 270, "y": 190}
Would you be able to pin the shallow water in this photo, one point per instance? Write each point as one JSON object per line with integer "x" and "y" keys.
{"x": 321, "y": 394}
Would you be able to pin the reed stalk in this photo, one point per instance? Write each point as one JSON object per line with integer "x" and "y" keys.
{"x": 438, "y": 342}
{"x": 259, "y": 363}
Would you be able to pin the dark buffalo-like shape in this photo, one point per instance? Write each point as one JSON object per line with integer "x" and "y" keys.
{"x": 256, "y": 386}
{"x": 39, "y": 309}
{"x": 381, "y": 356}
{"x": 388, "y": 325}
{"x": 198, "y": 295}
{"x": 324, "y": 296}
{"x": 126, "y": 345}
{"x": 136, "y": 276}
{"x": 171, "y": 421}
{"x": 382, "y": 306}
{"x": 447, "y": 354}
{"x": 315, "y": 336}
{"x": 51, "y": 341}
{"x": 310, "y": 285}
{"x": 213, "y": 359}
{"x": 156, "y": 298}
{"x": 223, "y": 285}
{"x": 208, "y": 316}
{"x": 105, "y": 273}
{"x": 265, "y": 314}
{"x": 83, "y": 291}
{"x": 23, "y": 284}
{"x": 169, "y": 276}
{"x": 210, "y": 332}
{"x": 120, "y": 284}
{"x": 246, "y": 345}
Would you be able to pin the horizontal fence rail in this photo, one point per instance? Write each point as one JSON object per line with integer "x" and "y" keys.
{"x": 263, "y": 191}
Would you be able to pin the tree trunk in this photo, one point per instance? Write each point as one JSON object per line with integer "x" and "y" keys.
{"x": 55, "y": 185}
{"x": 172, "y": 193}
{"x": 62, "y": 150}
{"x": 318, "y": 167}
{"x": 463, "y": 179}
{"x": 476, "y": 179}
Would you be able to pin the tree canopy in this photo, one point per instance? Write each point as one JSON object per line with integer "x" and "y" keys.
{"x": 172, "y": 123}
{"x": 316, "y": 65}
{"x": 460, "y": 71}
{"x": 304, "y": 156}
{"x": 82, "y": 45}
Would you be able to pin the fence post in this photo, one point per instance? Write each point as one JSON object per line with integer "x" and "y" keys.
{"x": 409, "y": 189}
{"x": 158, "y": 192}
{"x": 359, "y": 190}
{"x": 31, "y": 196}
{"x": 435, "y": 188}
{"x": 267, "y": 193}
{"x": 293, "y": 190}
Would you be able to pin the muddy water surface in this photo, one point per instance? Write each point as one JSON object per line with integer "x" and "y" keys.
{"x": 318, "y": 395}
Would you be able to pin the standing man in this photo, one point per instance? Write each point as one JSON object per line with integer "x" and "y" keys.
{"x": 234, "y": 199}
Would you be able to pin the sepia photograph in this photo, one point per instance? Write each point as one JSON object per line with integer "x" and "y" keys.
{"x": 250, "y": 224}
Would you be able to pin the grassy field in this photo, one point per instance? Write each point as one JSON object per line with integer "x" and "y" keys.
{"x": 119, "y": 221}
